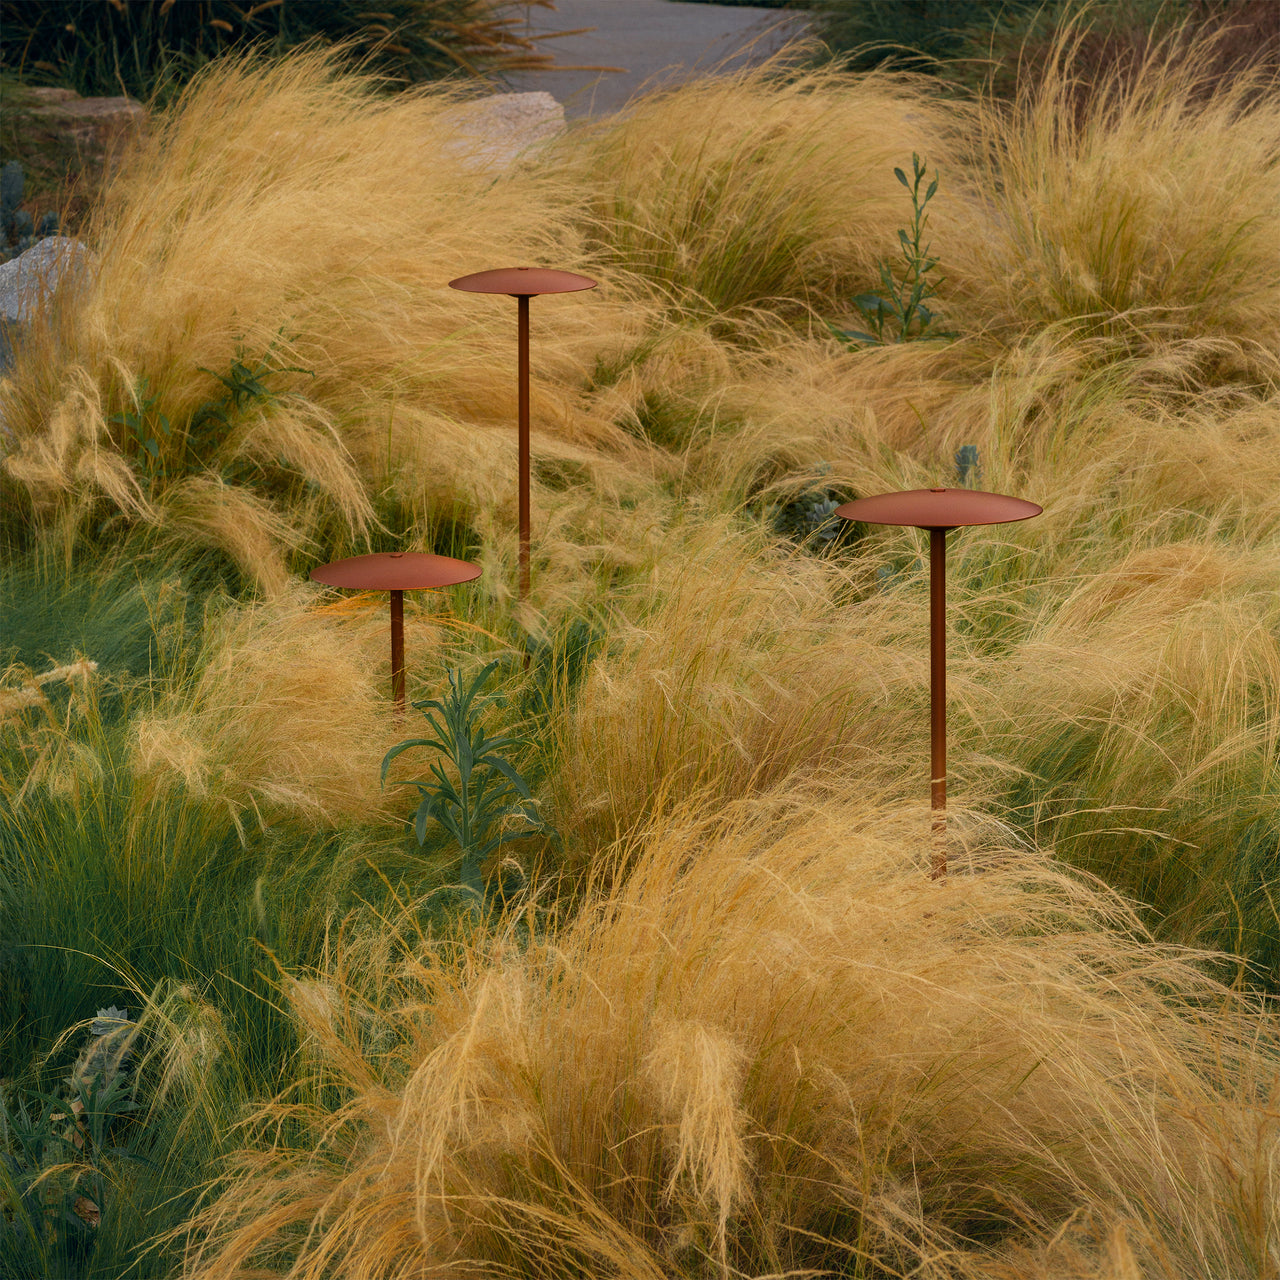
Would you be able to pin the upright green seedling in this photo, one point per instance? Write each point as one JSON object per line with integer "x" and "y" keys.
{"x": 488, "y": 791}
{"x": 149, "y": 430}
{"x": 899, "y": 313}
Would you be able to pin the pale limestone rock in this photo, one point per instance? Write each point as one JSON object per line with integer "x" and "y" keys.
{"x": 495, "y": 131}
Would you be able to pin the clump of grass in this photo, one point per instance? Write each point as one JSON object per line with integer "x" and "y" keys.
{"x": 281, "y": 714}
{"x": 1149, "y": 217}
{"x": 1145, "y": 715}
{"x": 272, "y": 206}
{"x": 773, "y": 1045}
{"x": 749, "y": 196}
{"x": 734, "y": 671}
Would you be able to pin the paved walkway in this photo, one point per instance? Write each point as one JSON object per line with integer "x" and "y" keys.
{"x": 657, "y": 42}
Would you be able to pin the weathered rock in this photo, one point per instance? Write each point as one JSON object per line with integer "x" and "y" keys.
{"x": 48, "y": 96}
{"x": 495, "y": 131}
{"x": 31, "y": 278}
{"x": 93, "y": 123}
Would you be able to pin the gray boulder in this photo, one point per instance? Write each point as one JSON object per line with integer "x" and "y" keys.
{"x": 31, "y": 278}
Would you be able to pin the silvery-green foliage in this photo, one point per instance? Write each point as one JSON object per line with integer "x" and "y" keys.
{"x": 18, "y": 231}
{"x": 898, "y": 313}
{"x": 484, "y": 792}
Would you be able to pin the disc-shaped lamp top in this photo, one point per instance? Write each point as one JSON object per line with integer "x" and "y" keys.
{"x": 939, "y": 508}
{"x": 522, "y": 281}
{"x": 396, "y": 571}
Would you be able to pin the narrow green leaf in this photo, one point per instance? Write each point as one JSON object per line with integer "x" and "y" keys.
{"x": 397, "y": 749}
{"x": 508, "y": 771}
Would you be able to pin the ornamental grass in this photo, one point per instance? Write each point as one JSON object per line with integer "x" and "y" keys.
{"x": 715, "y": 1020}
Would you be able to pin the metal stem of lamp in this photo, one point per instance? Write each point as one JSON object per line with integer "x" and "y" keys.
{"x": 939, "y": 511}
{"x": 523, "y": 283}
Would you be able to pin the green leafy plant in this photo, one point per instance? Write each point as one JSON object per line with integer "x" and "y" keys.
{"x": 899, "y": 313}
{"x": 968, "y": 466}
{"x": 148, "y": 428}
{"x": 809, "y": 519}
{"x": 56, "y": 1153}
{"x": 484, "y": 791}
{"x": 244, "y": 384}
{"x": 152, "y": 435}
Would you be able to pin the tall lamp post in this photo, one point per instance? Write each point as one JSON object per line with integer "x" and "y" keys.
{"x": 396, "y": 572}
{"x": 938, "y": 510}
{"x": 523, "y": 283}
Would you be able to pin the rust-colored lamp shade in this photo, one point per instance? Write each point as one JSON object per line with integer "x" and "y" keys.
{"x": 938, "y": 510}
{"x": 523, "y": 283}
{"x": 396, "y": 572}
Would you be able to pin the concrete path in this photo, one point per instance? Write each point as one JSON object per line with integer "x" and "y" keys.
{"x": 657, "y": 42}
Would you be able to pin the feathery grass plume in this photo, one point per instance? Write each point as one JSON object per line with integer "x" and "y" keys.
{"x": 68, "y": 460}
{"x": 40, "y": 749}
{"x": 285, "y": 713}
{"x": 1218, "y": 458}
{"x": 205, "y": 511}
{"x": 875, "y": 417}
{"x": 185, "y": 1043}
{"x": 303, "y": 438}
{"x": 731, "y": 666}
{"x": 1151, "y": 218}
{"x": 769, "y": 1042}
{"x": 28, "y": 694}
{"x": 756, "y": 193}
{"x": 774, "y": 1044}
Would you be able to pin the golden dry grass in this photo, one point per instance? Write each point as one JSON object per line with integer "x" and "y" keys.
{"x": 243, "y": 228}
{"x": 765, "y": 1040}
{"x": 732, "y": 203}
{"x": 1149, "y": 216}
{"x": 776, "y": 1045}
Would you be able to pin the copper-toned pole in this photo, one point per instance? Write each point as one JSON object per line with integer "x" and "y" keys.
{"x": 938, "y": 694}
{"x": 397, "y": 649}
{"x": 523, "y": 283}
{"x": 396, "y": 572}
{"x": 939, "y": 511}
{"x": 522, "y": 375}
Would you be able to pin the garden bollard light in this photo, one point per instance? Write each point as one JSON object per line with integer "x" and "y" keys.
{"x": 523, "y": 283}
{"x": 938, "y": 510}
{"x": 396, "y": 572}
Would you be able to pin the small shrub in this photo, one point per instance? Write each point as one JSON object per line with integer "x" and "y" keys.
{"x": 18, "y": 230}
{"x": 901, "y": 305}
{"x": 488, "y": 792}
